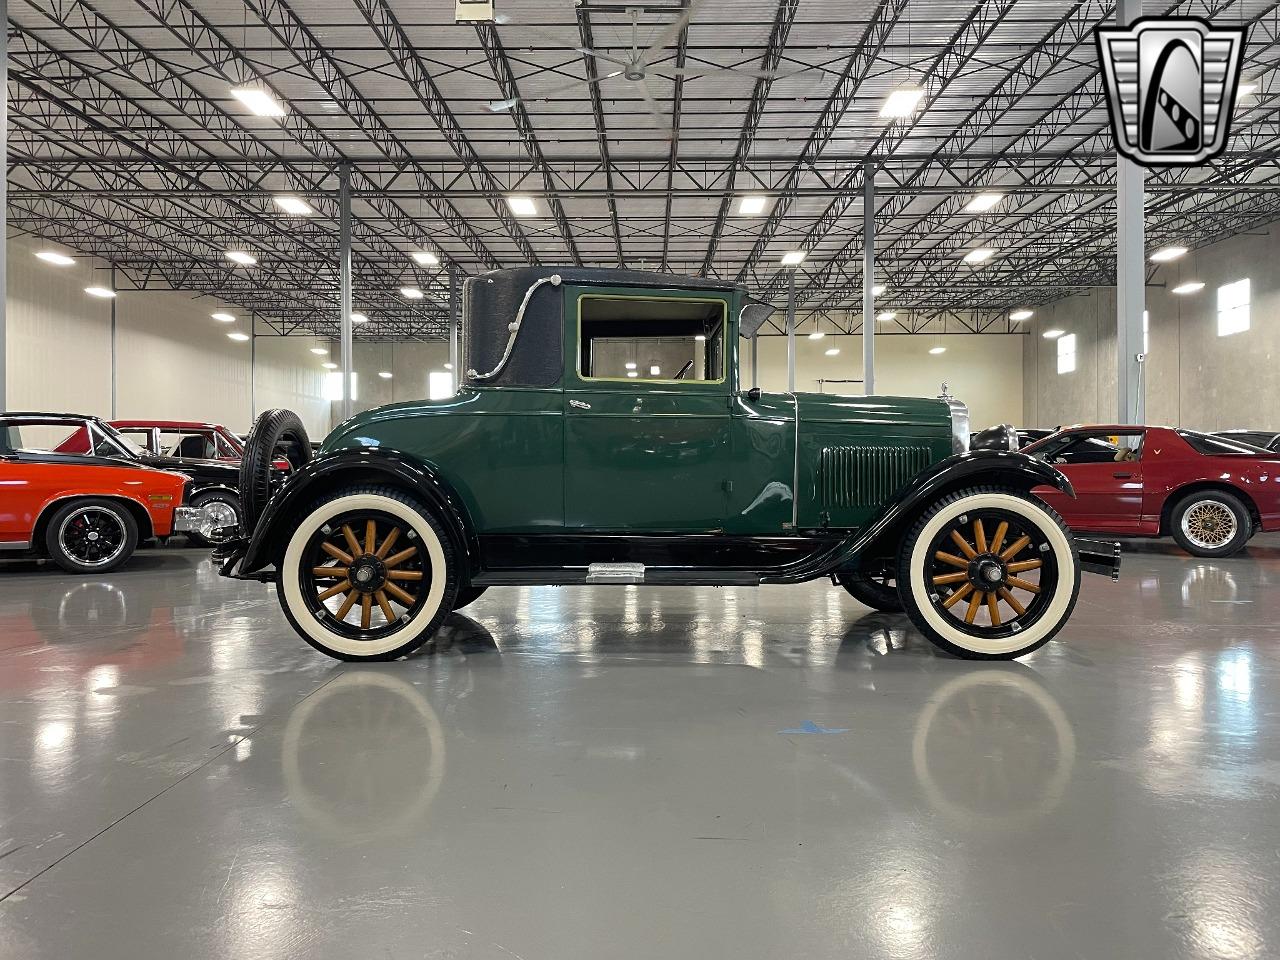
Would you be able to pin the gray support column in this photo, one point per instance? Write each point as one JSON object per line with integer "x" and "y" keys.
{"x": 253, "y": 366}
{"x": 454, "y": 321}
{"x": 1130, "y": 271}
{"x": 114, "y": 353}
{"x": 344, "y": 272}
{"x": 4, "y": 217}
{"x": 755, "y": 359}
{"x": 791, "y": 331}
{"x": 868, "y": 278}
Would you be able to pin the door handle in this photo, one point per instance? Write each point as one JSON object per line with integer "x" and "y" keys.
{"x": 1122, "y": 476}
{"x": 580, "y": 404}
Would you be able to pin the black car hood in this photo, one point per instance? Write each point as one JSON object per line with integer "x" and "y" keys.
{"x": 228, "y": 473}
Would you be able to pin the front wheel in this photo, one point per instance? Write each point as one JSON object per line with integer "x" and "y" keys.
{"x": 219, "y": 517}
{"x": 91, "y": 535}
{"x": 368, "y": 574}
{"x": 989, "y": 574}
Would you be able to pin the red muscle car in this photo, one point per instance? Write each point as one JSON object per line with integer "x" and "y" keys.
{"x": 84, "y": 511}
{"x": 1209, "y": 493}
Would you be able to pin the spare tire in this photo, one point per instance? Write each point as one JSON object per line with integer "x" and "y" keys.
{"x": 275, "y": 433}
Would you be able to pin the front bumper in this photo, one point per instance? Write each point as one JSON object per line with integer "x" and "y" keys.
{"x": 1099, "y": 556}
{"x": 187, "y": 519}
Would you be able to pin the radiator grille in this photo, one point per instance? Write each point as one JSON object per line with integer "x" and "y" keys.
{"x": 866, "y": 476}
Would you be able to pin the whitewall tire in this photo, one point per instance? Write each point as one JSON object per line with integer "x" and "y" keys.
{"x": 367, "y": 575}
{"x": 989, "y": 574}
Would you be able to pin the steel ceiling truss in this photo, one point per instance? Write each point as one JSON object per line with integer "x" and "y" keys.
{"x": 124, "y": 144}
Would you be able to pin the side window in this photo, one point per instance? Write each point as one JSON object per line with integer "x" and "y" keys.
{"x": 651, "y": 338}
{"x": 187, "y": 446}
{"x": 1097, "y": 448}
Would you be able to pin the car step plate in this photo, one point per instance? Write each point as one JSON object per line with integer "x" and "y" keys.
{"x": 615, "y": 573}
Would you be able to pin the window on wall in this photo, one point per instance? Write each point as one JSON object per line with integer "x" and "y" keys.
{"x": 1233, "y": 307}
{"x": 333, "y": 386}
{"x": 439, "y": 385}
{"x": 1067, "y": 353}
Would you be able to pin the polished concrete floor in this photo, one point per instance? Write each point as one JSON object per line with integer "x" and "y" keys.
{"x": 628, "y": 773}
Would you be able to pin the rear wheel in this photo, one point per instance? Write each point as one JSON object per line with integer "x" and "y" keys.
{"x": 468, "y": 595}
{"x": 989, "y": 574}
{"x": 1212, "y": 523}
{"x": 219, "y": 517}
{"x": 877, "y": 591}
{"x": 367, "y": 575}
{"x": 91, "y": 536}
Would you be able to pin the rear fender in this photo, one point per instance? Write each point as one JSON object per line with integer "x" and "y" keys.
{"x": 341, "y": 468}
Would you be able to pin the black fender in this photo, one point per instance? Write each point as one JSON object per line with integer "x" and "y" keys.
{"x": 999, "y": 468}
{"x": 329, "y": 471}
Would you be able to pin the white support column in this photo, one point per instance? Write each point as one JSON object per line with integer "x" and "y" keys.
{"x": 344, "y": 274}
{"x": 455, "y": 321}
{"x": 868, "y": 279}
{"x": 755, "y": 359}
{"x": 4, "y": 217}
{"x": 791, "y": 330}
{"x": 114, "y": 351}
{"x": 1130, "y": 271}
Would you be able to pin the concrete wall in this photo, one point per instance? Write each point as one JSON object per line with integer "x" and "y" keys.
{"x": 1194, "y": 378}
{"x": 172, "y": 360}
{"x": 984, "y": 370}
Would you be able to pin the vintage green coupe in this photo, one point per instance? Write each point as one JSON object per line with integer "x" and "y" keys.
{"x": 601, "y": 435}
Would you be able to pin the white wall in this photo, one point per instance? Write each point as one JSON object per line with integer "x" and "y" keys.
{"x": 983, "y": 370}
{"x": 1194, "y": 378}
{"x": 173, "y": 360}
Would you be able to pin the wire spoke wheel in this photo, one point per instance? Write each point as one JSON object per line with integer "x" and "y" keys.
{"x": 1209, "y": 524}
{"x": 93, "y": 536}
{"x": 991, "y": 573}
{"x": 365, "y": 574}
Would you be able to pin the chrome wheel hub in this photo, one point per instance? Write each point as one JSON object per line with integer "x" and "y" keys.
{"x": 1209, "y": 524}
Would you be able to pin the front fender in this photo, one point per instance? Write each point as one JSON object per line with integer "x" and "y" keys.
{"x": 339, "y": 468}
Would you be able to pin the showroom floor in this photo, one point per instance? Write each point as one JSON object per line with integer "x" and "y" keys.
{"x": 624, "y": 772}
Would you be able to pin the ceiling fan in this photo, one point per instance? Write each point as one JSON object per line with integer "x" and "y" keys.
{"x": 636, "y": 68}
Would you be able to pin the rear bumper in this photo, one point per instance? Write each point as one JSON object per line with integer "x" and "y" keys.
{"x": 1099, "y": 556}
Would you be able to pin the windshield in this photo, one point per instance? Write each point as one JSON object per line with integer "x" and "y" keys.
{"x": 129, "y": 447}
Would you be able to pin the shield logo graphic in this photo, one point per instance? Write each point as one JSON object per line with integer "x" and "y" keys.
{"x": 1171, "y": 87}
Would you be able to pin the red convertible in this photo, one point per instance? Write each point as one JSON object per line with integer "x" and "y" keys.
{"x": 1210, "y": 494}
{"x": 85, "y": 511}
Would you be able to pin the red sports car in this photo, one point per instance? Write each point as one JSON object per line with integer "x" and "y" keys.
{"x": 187, "y": 440}
{"x": 83, "y": 511}
{"x": 1210, "y": 494}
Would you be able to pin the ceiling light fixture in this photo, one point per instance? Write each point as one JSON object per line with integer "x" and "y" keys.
{"x": 358, "y": 317}
{"x": 411, "y": 293}
{"x": 1191, "y": 286}
{"x": 1165, "y": 254}
{"x": 100, "y": 292}
{"x": 56, "y": 258}
{"x": 523, "y": 206}
{"x": 981, "y": 255}
{"x": 983, "y": 202}
{"x": 223, "y": 317}
{"x": 320, "y": 351}
{"x": 295, "y": 206}
{"x": 385, "y": 374}
{"x": 937, "y": 350}
{"x": 902, "y": 103}
{"x": 833, "y": 352}
{"x": 631, "y": 364}
{"x": 259, "y": 101}
{"x": 877, "y": 289}
{"x": 885, "y": 315}
{"x": 425, "y": 258}
{"x": 793, "y": 258}
{"x": 448, "y": 366}
{"x": 751, "y": 205}
{"x": 701, "y": 338}
{"x": 329, "y": 365}
{"x": 1053, "y": 334}
{"x": 632, "y": 373}
{"x": 817, "y": 335}
{"x": 1019, "y": 315}
{"x": 241, "y": 257}
{"x": 1246, "y": 90}
{"x": 237, "y": 335}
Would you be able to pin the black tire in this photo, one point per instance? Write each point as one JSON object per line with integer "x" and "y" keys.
{"x": 77, "y": 531}
{"x": 934, "y": 575}
{"x": 230, "y": 500}
{"x": 1211, "y": 523}
{"x": 878, "y": 593}
{"x": 468, "y": 595}
{"x": 316, "y": 617}
{"x": 273, "y": 431}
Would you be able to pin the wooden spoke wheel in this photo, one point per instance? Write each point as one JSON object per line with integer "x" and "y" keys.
{"x": 989, "y": 573}
{"x": 367, "y": 575}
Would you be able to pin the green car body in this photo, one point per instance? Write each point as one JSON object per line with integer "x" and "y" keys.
{"x": 556, "y": 464}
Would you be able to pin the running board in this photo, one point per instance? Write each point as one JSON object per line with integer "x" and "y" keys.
{"x": 600, "y": 574}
